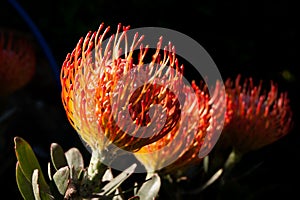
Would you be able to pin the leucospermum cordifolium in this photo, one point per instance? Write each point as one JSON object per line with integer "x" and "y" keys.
{"x": 187, "y": 152}
{"x": 103, "y": 82}
{"x": 17, "y": 61}
{"x": 256, "y": 117}
{"x": 89, "y": 77}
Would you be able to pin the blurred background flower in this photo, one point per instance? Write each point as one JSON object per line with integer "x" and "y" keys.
{"x": 17, "y": 69}
{"x": 257, "y": 116}
{"x": 17, "y": 60}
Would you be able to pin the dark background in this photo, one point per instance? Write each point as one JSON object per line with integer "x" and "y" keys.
{"x": 254, "y": 39}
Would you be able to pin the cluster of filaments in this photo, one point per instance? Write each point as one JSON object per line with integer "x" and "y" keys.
{"x": 185, "y": 147}
{"x": 95, "y": 96}
{"x": 255, "y": 118}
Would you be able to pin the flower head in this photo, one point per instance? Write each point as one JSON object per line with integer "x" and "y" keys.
{"x": 255, "y": 118}
{"x": 114, "y": 97}
{"x": 186, "y": 148}
{"x": 17, "y": 61}
{"x": 104, "y": 81}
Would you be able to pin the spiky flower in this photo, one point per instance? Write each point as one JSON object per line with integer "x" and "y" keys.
{"x": 255, "y": 118}
{"x": 186, "y": 148}
{"x": 17, "y": 61}
{"x": 103, "y": 83}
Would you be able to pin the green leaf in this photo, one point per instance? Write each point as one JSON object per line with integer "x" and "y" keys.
{"x": 150, "y": 189}
{"x": 28, "y": 161}
{"x": 24, "y": 185}
{"x": 61, "y": 179}
{"x": 117, "y": 181}
{"x": 58, "y": 157}
{"x": 75, "y": 162}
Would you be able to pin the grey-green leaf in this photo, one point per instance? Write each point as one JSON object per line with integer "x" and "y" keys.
{"x": 150, "y": 188}
{"x": 58, "y": 157}
{"x": 35, "y": 184}
{"x": 37, "y": 192}
{"x": 24, "y": 185}
{"x": 134, "y": 198}
{"x": 215, "y": 177}
{"x": 61, "y": 178}
{"x": 49, "y": 171}
{"x": 117, "y": 181}
{"x": 75, "y": 162}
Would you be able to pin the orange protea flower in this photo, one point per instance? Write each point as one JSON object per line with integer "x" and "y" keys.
{"x": 97, "y": 78}
{"x": 188, "y": 148}
{"x": 255, "y": 118}
{"x": 17, "y": 61}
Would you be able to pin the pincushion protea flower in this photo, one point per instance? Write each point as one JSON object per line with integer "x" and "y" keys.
{"x": 186, "y": 150}
{"x": 94, "y": 90}
{"x": 17, "y": 61}
{"x": 255, "y": 118}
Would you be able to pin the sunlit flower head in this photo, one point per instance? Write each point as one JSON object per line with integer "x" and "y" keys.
{"x": 17, "y": 61}
{"x": 188, "y": 148}
{"x": 254, "y": 117}
{"x": 99, "y": 74}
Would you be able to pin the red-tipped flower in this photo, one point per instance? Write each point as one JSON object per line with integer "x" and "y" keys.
{"x": 114, "y": 98}
{"x": 17, "y": 61}
{"x": 187, "y": 148}
{"x": 97, "y": 78}
{"x": 255, "y": 118}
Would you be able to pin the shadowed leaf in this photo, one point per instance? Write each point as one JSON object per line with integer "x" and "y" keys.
{"x": 58, "y": 157}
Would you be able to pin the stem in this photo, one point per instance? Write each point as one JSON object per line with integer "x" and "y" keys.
{"x": 96, "y": 168}
{"x": 93, "y": 177}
